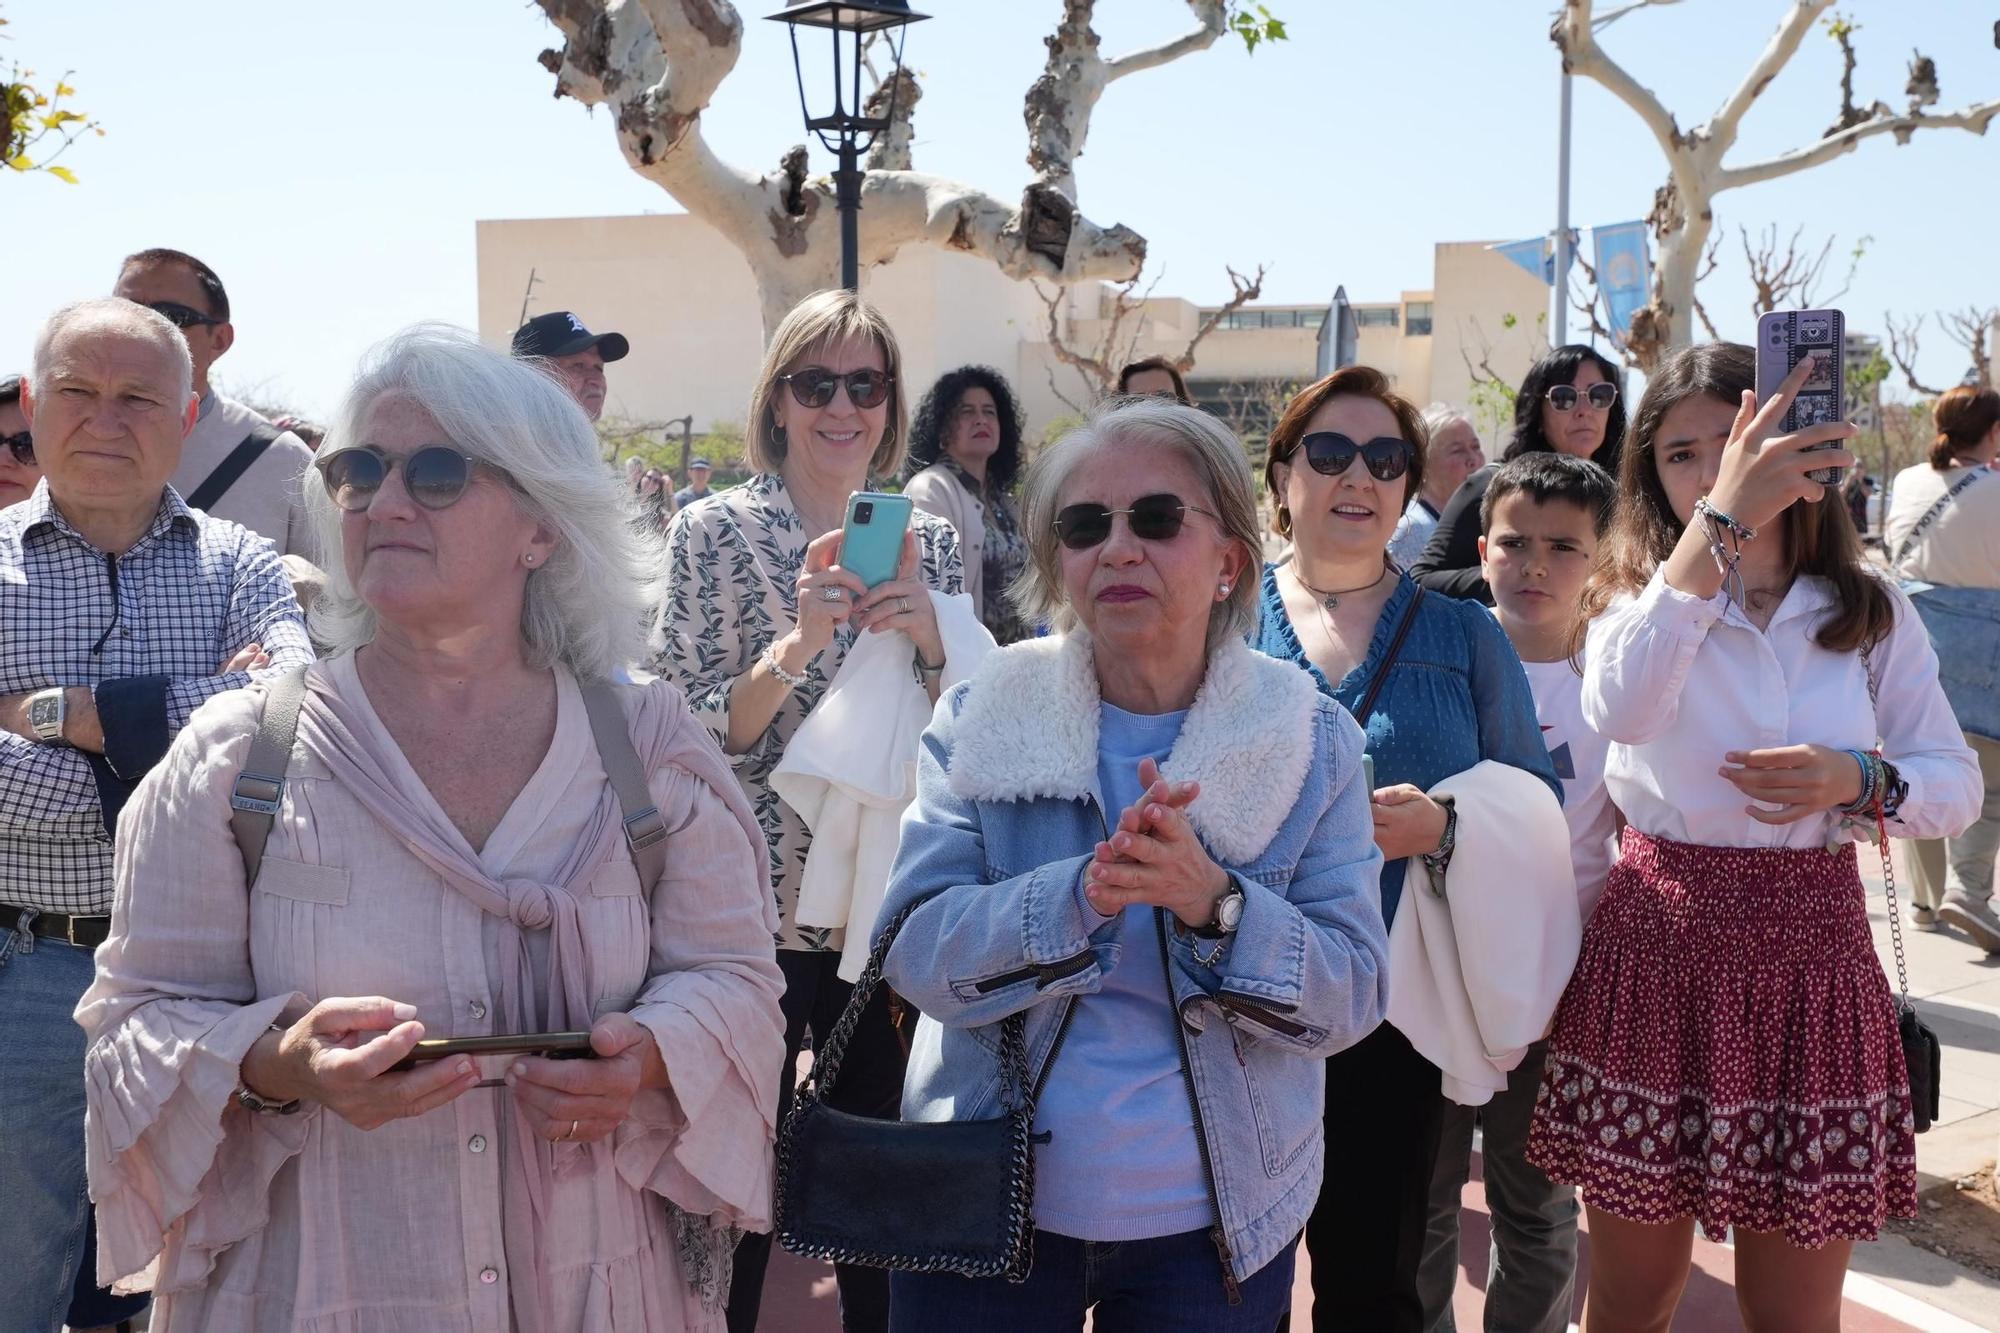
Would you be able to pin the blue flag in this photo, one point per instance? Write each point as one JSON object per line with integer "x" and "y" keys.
{"x": 1532, "y": 255}
{"x": 1624, "y": 272}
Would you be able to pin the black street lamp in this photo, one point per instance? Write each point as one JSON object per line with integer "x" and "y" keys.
{"x": 842, "y": 130}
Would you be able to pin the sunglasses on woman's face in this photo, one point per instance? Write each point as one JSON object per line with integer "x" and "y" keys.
{"x": 1602, "y": 395}
{"x": 435, "y": 476}
{"x": 1330, "y": 453}
{"x": 814, "y": 386}
{"x": 182, "y": 316}
{"x": 1154, "y": 518}
{"x": 22, "y": 446}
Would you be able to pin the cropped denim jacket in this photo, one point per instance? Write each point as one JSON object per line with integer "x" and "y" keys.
{"x": 992, "y": 855}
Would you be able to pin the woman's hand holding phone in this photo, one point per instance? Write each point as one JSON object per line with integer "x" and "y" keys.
{"x": 1762, "y": 474}
{"x": 820, "y": 614}
{"x": 903, "y": 603}
{"x": 581, "y": 1101}
{"x": 339, "y": 1055}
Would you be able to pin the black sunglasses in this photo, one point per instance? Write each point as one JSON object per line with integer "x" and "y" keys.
{"x": 1330, "y": 453}
{"x": 814, "y": 386}
{"x": 1601, "y": 394}
{"x": 182, "y": 316}
{"x": 22, "y": 447}
{"x": 1154, "y": 518}
{"x": 435, "y": 476}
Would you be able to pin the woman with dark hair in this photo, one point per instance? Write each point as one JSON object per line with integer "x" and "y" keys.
{"x": 965, "y": 451}
{"x": 1943, "y": 528}
{"x": 1727, "y": 1050}
{"x": 1438, "y": 690}
{"x": 1154, "y": 377}
{"x": 19, "y": 473}
{"x": 1571, "y": 402}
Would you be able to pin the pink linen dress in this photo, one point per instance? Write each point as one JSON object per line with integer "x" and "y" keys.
{"x": 456, "y": 1220}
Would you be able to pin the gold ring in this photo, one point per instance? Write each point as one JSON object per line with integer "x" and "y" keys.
{"x": 904, "y": 603}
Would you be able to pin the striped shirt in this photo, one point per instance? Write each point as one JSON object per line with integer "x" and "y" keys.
{"x": 148, "y": 630}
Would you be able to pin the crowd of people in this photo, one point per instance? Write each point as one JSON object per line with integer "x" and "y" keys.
{"x": 1519, "y": 797}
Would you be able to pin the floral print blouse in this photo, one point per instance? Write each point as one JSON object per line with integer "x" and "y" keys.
{"x": 733, "y": 562}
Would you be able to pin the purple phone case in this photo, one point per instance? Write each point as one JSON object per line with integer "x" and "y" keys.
{"x": 1787, "y": 337}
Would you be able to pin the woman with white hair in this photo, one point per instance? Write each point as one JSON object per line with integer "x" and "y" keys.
{"x": 1452, "y": 453}
{"x": 1156, "y": 845}
{"x": 449, "y": 858}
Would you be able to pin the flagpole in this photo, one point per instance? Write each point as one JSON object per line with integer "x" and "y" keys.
{"x": 1559, "y": 319}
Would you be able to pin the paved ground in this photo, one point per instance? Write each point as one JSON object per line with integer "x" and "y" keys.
{"x": 1892, "y": 1285}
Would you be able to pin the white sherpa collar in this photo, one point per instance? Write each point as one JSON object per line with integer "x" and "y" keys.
{"x": 1028, "y": 729}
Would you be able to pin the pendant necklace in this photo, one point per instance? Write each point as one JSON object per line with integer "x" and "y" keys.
{"x": 1329, "y": 601}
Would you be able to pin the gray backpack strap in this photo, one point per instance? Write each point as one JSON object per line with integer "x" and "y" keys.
{"x": 253, "y": 802}
{"x": 645, "y": 829}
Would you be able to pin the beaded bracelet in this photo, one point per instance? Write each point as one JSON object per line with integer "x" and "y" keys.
{"x": 770, "y": 659}
{"x": 1871, "y": 774}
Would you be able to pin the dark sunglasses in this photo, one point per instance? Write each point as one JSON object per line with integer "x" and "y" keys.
{"x": 182, "y": 316}
{"x": 22, "y": 446}
{"x": 1154, "y": 518}
{"x": 1601, "y": 394}
{"x": 814, "y": 386}
{"x": 435, "y": 476}
{"x": 1330, "y": 453}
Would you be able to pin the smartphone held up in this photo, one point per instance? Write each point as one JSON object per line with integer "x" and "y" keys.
{"x": 1784, "y": 339}
{"x": 871, "y": 538}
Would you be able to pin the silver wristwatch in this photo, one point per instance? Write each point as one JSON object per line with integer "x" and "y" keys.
{"x": 1229, "y": 911}
{"x": 46, "y": 711}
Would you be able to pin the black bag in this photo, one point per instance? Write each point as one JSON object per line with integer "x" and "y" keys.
{"x": 953, "y": 1197}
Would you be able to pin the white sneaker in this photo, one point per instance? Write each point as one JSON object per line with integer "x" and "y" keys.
{"x": 1974, "y": 918}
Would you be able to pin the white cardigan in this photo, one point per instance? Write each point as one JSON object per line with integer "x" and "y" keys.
{"x": 1478, "y": 961}
{"x": 936, "y": 491}
{"x": 851, "y": 768}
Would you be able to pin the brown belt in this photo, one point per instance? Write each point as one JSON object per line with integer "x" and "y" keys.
{"x": 85, "y": 932}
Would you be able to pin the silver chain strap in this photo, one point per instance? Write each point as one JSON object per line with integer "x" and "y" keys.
{"x": 1882, "y": 836}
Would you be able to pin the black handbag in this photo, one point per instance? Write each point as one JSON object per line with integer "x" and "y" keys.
{"x": 950, "y": 1197}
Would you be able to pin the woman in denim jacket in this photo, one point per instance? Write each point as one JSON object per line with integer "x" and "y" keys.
{"x": 1156, "y": 842}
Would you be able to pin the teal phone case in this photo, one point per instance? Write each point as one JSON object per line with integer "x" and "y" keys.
{"x": 871, "y": 540}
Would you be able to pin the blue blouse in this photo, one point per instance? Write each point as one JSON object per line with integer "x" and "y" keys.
{"x": 1457, "y": 695}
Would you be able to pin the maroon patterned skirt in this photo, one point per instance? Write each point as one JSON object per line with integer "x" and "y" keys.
{"x": 1727, "y": 1049}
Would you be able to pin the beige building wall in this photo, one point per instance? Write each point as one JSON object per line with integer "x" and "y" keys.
{"x": 686, "y": 299}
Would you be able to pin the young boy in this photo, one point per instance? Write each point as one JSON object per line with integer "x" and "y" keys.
{"x": 1541, "y": 518}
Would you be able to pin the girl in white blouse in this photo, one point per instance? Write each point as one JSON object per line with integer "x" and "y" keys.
{"x": 1727, "y": 1050}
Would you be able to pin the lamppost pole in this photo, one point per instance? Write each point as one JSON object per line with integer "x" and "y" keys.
{"x": 845, "y": 131}
{"x": 1559, "y": 318}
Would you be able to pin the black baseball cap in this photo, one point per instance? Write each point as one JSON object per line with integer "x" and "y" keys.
{"x": 560, "y": 333}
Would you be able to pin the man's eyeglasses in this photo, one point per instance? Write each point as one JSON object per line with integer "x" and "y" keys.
{"x": 22, "y": 446}
{"x": 814, "y": 386}
{"x": 182, "y": 316}
{"x": 1602, "y": 395}
{"x": 1154, "y": 518}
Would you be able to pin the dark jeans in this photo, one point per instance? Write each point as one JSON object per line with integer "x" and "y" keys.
{"x": 45, "y": 1219}
{"x": 1384, "y": 1116}
{"x": 1172, "y": 1284}
{"x": 871, "y": 1084}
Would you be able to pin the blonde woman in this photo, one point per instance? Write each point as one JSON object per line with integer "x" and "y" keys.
{"x": 758, "y": 618}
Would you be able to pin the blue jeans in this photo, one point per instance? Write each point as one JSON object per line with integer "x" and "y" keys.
{"x": 1172, "y": 1284}
{"x": 45, "y": 1218}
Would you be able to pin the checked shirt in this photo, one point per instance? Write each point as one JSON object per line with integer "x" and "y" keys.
{"x": 148, "y": 630}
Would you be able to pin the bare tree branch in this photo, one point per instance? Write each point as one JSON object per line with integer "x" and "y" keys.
{"x": 1247, "y": 290}
{"x": 1784, "y": 44}
{"x": 1969, "y": 328}
{"x": 1208, "y": 16}
{"x": 1973, "y": 119}
{"x": 892, "y": 147}
{"x": 1903, "y": 341}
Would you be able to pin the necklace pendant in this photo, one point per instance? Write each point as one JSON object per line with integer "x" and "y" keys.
{"x": 1332, "y": 605}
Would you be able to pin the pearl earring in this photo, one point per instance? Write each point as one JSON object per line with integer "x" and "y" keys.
{"x": 1225, "y": 590}
{"x": 529, "y": 559}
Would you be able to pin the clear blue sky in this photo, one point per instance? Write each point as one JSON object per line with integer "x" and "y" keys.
{"x": 331, "y": 159}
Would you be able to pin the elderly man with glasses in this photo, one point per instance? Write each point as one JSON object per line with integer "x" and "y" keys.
{"x": 121, "y": 611}
{"x": 237, "y": 464}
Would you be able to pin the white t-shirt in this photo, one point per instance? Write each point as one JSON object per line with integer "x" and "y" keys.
{"x": 1578, "y": 755}
{"x": 1961, "y": 548}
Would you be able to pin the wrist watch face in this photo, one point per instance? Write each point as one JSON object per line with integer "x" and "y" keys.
{"x": 45, "y": 714}
{"x": 1229, "y": 912}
